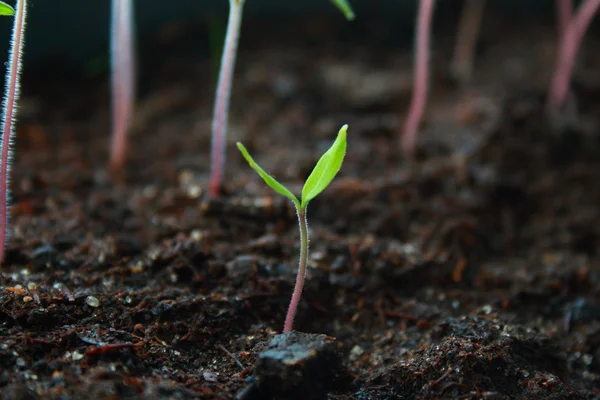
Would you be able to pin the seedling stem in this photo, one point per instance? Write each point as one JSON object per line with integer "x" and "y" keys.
{"x": 11, "y": 98}
{"x": 297, "y": 294}
{"x": 221, "y": 107}
{"x": 123, "y": 79}
{"x": 466, "y": 40}
{"x": 421, "y": 71}
{"x": 567, "y": 51}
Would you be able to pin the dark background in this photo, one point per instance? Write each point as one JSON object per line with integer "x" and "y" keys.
{"x": 71, "y": 32}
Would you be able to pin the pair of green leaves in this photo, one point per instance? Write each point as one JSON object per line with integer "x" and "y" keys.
{"x": 321, "y": 176}
{"x": 5, "y": 9}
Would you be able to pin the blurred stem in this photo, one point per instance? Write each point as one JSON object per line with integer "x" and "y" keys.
{"x": 466, "y": 40}
{"x": 567, "y": 52}
{"x": 421, "y": 77}
{"x": 123, "y": 79}
{"x": 221, "y": 107}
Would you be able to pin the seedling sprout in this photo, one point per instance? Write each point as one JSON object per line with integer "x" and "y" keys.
{"x": 123, "y": 79}
{"x": 11, "y": 98}
{"x": 321, "y": 176}
{"x": 466, "y": 40}
{"x": 221, "y": 108}
{"x": 421, "y": 84}
{"x": 571, "y": 37}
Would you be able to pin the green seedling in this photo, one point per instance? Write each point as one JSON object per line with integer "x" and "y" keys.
{"x": 321, "y": 176}
{"x": 9, "y": 115}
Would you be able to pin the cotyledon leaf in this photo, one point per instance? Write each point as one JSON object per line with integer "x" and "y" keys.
{"x": 345, "y": 8}
{"x": 326, "y": 169}
{"x": 5, "y": 9}
{"x": 269, "y": 180}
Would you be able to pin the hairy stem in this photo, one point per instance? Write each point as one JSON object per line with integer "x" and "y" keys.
{"x": 466, "y": 40}
{"x": 567, "y": 52}
{"x": 11, "y": 98}
{"x": 123, "y": 79}
{"x": 421, "y": 71}
{"x": 291, "y": 314}
{"x": 221, "y": 107}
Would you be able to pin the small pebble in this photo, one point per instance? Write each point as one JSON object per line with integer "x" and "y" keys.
{"x": 92, "y": 301}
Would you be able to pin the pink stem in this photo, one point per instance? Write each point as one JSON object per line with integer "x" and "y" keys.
{"x": 564, "y": 11}
{"x": 291, "y": 314}
{"x": 123, "y": 78}
{"x": 221, "y": 108}
{"x": 417, "y": 106}
{"x": 466, "y": 41}
{"x": 10, "y": 111}
{"x": 567, "y": 52}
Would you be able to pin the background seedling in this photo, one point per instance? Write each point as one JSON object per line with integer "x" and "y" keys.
{"x": 466, "y": 40}
{"x": 11, "y": 97}
{"x": 421, "y": 77}
{"x": 570, "y": 40}
{"x": 221, "y": 108}
{"x": 122, "y": 45}
{"x": 224, "y": 84}
{"x": 321, "y": 176}
{"x": 564, "y": 13}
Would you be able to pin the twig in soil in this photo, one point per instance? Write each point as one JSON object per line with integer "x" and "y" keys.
{"x": 421, "y": 71}
{"x": 110, "y": 347}
{"x": 233, "y": 357}
{"x": 326, "y": 169}
{"x": 90, "y": 341}
{"x": 11, "y": 97}
{"x": 122, "y": 45}
{"x": 569, "y": 44}
{"x": 221, "y": 107}
{"x": 466, "y": 40}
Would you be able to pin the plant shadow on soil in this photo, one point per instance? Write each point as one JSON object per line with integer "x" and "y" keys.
{"x": 472, "y": 273}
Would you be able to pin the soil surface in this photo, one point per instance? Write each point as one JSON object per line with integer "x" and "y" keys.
{"x": 471, "y": 272}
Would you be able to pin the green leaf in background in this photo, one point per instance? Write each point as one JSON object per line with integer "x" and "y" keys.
{"x": 326, "y": 169}
{"x": 5, "y": 9}
{"x": 269, "y": 180}
{"x": 345, "y": 8}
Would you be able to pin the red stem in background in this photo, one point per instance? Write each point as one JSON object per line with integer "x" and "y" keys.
{"x": 564, "y": 13}
{"x": 10, "y": 111}
{"x": 466, "y": 39}
{"x": 421, "y": 85}
{"x": 123, "y": 79}
{"x": 567, "y": 51}
{"x": 291, "y": 314}
{"x": 221, "y": 107}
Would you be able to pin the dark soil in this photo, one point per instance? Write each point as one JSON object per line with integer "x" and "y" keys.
{"x": 472, "y": 272}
